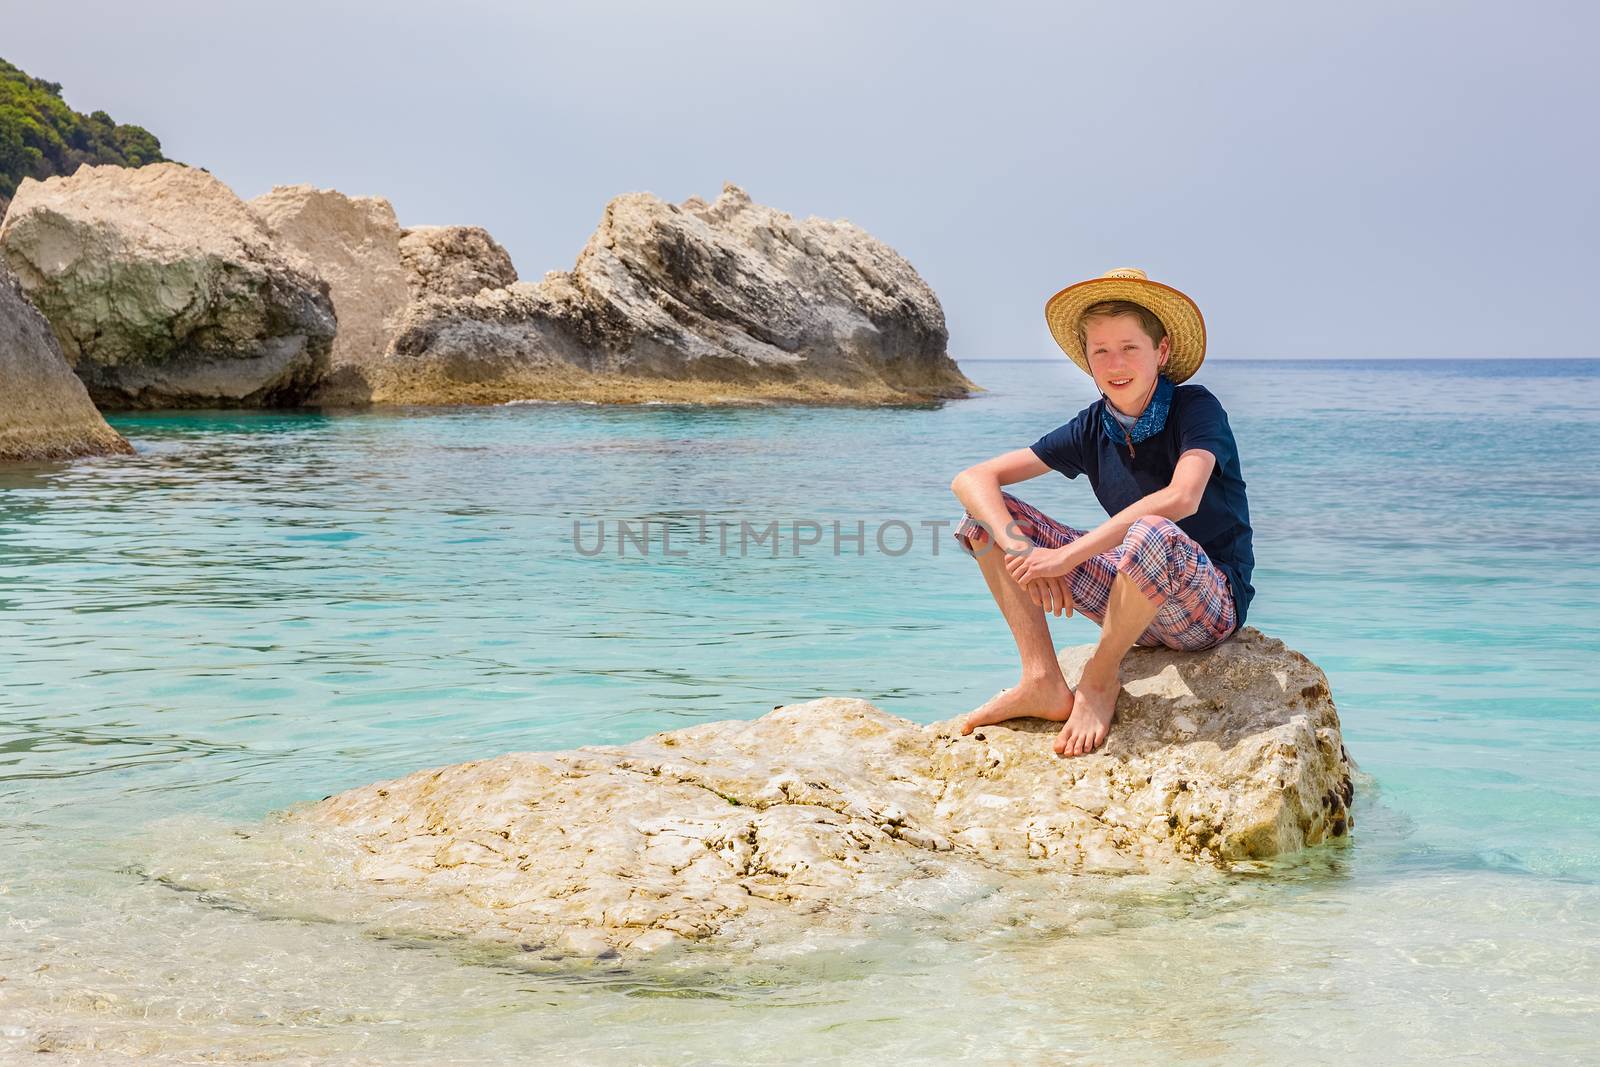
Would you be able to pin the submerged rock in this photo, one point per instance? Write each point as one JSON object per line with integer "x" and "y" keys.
{"x": 689, "y": 302}
{"x": 819, "y": 809}
{"x": 45, "y": 412}
{"x": 166, "y": 290}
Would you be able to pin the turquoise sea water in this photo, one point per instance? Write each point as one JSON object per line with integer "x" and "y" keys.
{"x": 265, "y": 608}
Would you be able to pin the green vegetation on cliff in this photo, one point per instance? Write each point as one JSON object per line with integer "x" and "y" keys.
{"x": 40, "y": 135}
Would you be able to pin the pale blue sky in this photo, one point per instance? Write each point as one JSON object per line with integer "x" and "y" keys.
{"x": 1361, "y": 179}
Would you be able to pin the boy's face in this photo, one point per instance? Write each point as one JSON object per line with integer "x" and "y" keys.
{"x": 1124, "y": 360}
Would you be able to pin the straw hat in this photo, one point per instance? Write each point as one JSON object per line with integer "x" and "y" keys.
{"x": 1186, "y": 330}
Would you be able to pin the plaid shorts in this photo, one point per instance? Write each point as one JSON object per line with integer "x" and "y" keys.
{"x": 1167, "y": 565}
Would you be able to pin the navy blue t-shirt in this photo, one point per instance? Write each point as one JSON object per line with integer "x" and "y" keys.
{"x": 1195, "y": 420}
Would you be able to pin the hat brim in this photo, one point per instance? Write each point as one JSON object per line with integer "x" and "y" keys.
{"x": 1186, "y": 328}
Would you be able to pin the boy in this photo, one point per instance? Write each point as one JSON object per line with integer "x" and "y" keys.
{"x": 1171, "y": 566}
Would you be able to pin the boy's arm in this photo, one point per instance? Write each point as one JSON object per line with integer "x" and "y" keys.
{"x": 978, "y": 489}
{"x": 1178, "y": 500}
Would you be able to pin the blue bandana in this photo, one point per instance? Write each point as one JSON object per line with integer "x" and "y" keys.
{"x": 1153, "y": 418}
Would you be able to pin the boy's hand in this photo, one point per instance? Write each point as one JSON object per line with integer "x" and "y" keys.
{"x": 1040, "y": 563}
{"x": 1054, "y": 595}
{"x": 1041, "y": 572}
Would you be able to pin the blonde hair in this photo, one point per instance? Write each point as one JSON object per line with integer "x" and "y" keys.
{"x": 1107, "y": 309}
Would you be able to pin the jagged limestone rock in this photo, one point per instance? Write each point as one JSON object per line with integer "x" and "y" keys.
{"x": 454, "y": 261}
{"x": 374, "y": 270}
{"x": 690, "y": 302}
{"x": 352, "y": 243}
{"x": 166, "y": 290}
{"x": 819, "y": 809}
{"x": 45, "y": 412}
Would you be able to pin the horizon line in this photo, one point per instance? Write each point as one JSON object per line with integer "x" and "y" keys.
{"x": 1305, "y": 359}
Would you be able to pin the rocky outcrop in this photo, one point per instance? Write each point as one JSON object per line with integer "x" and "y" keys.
{"x": 45, "y": 412}
{"x": 374, "y": 270}
{"x": 166, "y": 290}
{"x": 353, "y": 243}
{"x": 820, "y": 812}
{"x": 693, "y": 301}
{"x": 454, "y": 261}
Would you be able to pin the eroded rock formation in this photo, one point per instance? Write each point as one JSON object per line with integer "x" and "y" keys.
{"x": 821, "y": 809}
{"x": 166, "y": 290}
{"x": 693, "y": 301}
{"x": 352, "y": 243}
{"x": 374, "y": 270}
{"x": 45, "y": 412}
{"x": 454, "y": 261}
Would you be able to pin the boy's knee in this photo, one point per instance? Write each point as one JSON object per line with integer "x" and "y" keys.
{"x": 1149, "y": 533}
{"x": 972, "y": 533}
{"x": 973, "y": 536}
{"x": 1151, "y": 544}
{"x": 1158, "y": 525}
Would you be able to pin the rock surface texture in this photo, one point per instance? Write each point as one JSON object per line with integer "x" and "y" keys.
{"x": 818, "y": 808}
{"x": 353, "y": 243}
{"x": 728, "y": 300}
{"x": 454, "y": 261}
{"x": 45, "y": 412}
{"x": 166, "y": 290}
{"x": 374, "y": 270}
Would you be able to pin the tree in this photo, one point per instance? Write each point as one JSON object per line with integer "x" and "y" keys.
{"x": 41, "y": 136}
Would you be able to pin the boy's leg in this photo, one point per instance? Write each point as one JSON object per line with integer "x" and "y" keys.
{"x": 1042, "y": 691}
{"x": 1128, "y": 613}
{"x": 1166, "y": 592}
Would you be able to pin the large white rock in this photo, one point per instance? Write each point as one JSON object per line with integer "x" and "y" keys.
{"x": 45, "y": 412}
{"x": 691, "y": 301}
{"x": 374, "y": 270}
{"x": 454, "y": 261}
{"x": 826, "y": 810}
{"x": 166, "y": 290}
{"x": 353, "y": 243}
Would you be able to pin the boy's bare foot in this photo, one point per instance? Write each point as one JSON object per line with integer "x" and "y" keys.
{"x": 1045, "y": 698}
{"x": 1090, "y": 721}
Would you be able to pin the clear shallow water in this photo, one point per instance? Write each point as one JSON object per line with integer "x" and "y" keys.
{"x": 261, "y": 609}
